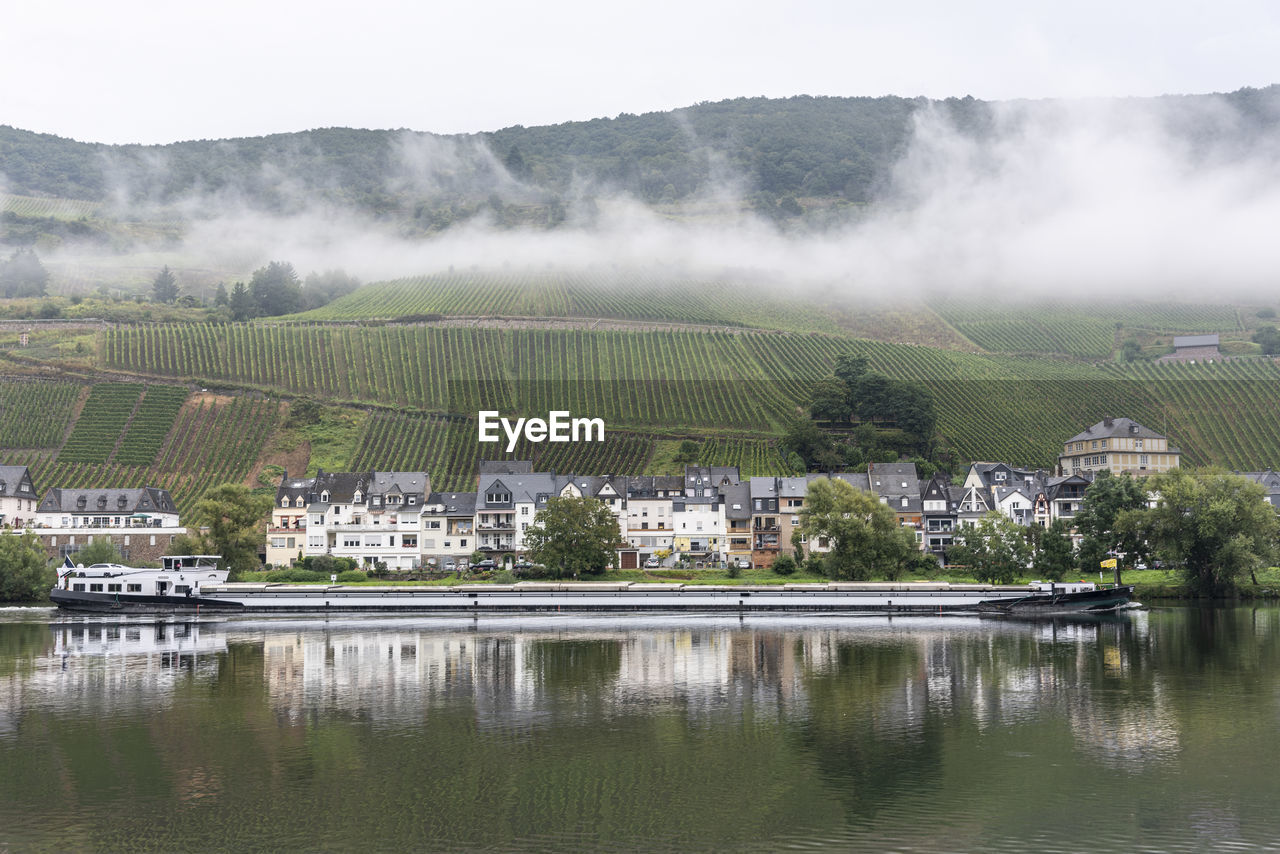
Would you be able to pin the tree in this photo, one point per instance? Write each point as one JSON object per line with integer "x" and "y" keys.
{"x": 996, "y": 550}
{"x": 688, "y": 452}
{"x": 99, "y": 551}
{"x": 864, "y": 535}
{"x": 572, "y": 536}
{"x": 830, "y": 401}
{"x": 164, "y": 288}
{"x": 1212, "y": 525}
{"x": 23, "y": 275}
{"x": 323, "y": 288}
{"x": 25, "y": 574}
{"x": 1054, "y": 558}
{"x": 1269, "y": 339}
{"x": 220, "y": 296}
{"x": 234, "y": 517}
{"x": 1105, "y": 499}
{"x": 813, "y": 446}
{"x": 276, "y": 289}
{"x": 242, "y": 304}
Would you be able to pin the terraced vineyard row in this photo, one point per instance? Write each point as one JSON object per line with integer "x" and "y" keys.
{"x": 211, "y": 441}
{"x": 101, "y": 422}
{"x": 151, "y": 424}
{"x": 448, "y": 450}
{"x": 35, "y": 414}
{"x": 628, "y": 378}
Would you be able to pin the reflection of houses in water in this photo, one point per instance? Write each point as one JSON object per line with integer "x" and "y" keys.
{"x": 523, "y": 676}
{"x": 111, "y": 667}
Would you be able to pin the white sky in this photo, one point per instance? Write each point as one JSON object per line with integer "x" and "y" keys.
{"x": 146, "y": 71}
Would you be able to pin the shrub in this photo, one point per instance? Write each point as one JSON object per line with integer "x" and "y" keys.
{"x": 734, "y": 571}
{"x": 352, "y": 575}
{"x": 504, "y": 577}
{"x": 784, "y": 565}
{"x": 294, "y": 575}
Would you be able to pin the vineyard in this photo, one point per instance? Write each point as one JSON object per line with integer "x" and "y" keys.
{"x": 664, "y": 382}
{"x": 30, "y": 206}
{"x": 182, "y": 445}
{"x": 35, "y": 414}
{"x": 735, "y": 390}
{"x": 1072, "y": 329}
{"x": 448, "y": 450}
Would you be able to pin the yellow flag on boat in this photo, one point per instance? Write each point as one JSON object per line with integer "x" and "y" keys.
{"x": 1110, "y": 563}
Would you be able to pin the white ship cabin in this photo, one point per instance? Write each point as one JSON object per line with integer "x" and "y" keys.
{"x": 179, "y": 575}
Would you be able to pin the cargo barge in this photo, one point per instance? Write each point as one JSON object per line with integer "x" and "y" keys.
{"x": 192, "y": 584}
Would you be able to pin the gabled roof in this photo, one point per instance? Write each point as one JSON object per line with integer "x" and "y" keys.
{"x": 400, "y": 483}
{"x": 894, "y": 479}
{"x": 524, "y": 488}
{"x": 108, "y": 502}
{"x": 293, "y": 488}
{"x": 1109, "y": 428}
{"x": 648, "y": 486}
{"x": 15, "y": 481}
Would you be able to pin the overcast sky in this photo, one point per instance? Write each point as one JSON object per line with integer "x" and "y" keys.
{"x": 142, "y": 71}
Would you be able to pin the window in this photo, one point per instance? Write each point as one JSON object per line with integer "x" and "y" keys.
{"x": 351, "y": 542}
{"x": 432, "y": 524}
{"x": 95, "y": 588}
{"x": 324, "y": 497}
{"x": 524, "y": 511}
{"x": 358, "y": 497}
{"x": 78, "y": 587}
{"x": 298, "y": 501}
{"x": 1137, "y": 444}
{"x": 1103, "y": 445}
{"x": 113, "y": 588}
{"x": 412, "y": 500}
{"x": 133, "y": 588}
{"x": 284, "y": 502}
{"x": 1143, "y": 460}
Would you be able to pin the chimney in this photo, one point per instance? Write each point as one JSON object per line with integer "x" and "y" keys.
{"x": 1108, "y": 422}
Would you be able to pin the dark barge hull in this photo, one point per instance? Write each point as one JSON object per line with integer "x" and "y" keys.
{"x": 1050, "y": 604}
{"x": 850, "y": 599}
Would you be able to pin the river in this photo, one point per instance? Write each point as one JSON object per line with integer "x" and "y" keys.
{"x": 1146, "y": 731}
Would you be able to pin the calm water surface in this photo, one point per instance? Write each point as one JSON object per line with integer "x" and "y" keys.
{"x": 1149, "y": 731}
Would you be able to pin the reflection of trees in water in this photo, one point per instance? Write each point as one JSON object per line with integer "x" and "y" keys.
{"x": 869, "y": 730}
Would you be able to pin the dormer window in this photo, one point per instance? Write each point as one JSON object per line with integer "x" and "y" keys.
{"x": 102, "y": 501}
{"x": 324, "y": 497}
{"x": 284, "y": 502}
{"x": 412, "y": 500}
{"x": 358, "y": 497}
{"x": 298, "y": 502}
{"x": 122, "y": 502}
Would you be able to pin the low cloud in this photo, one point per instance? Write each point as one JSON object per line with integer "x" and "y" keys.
{"x": 1123, "y": 198}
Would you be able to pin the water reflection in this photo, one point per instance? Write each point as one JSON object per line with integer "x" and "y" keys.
{"x": 630, "y": 732}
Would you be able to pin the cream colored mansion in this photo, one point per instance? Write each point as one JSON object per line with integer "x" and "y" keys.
{"x": 1118, "y": 445}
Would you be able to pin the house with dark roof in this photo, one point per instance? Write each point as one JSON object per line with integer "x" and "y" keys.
{"x": 141, "y": 523}
{"x": 448, "y": 524}
{"x": 898, "y": 486}
{"x": 649, "y": 527}
{"x": 370, "y": 516}
{"x": 1118, "y": 445}
{"x": 287, "y": 528}
{"x": 506, "y": 503}
{"x": 18, "y": 498}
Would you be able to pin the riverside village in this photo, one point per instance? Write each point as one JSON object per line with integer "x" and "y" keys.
{"x": 394, "y": 522}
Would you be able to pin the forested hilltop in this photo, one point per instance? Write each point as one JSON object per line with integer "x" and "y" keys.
{"x": 773, "y": 151}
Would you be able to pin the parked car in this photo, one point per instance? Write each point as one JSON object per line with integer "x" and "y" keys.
{"x": 652, "y": 563}
{"x": 487, "y": 564}
{"x": 450, "y": 565}
{"x": 743, "y": 563}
